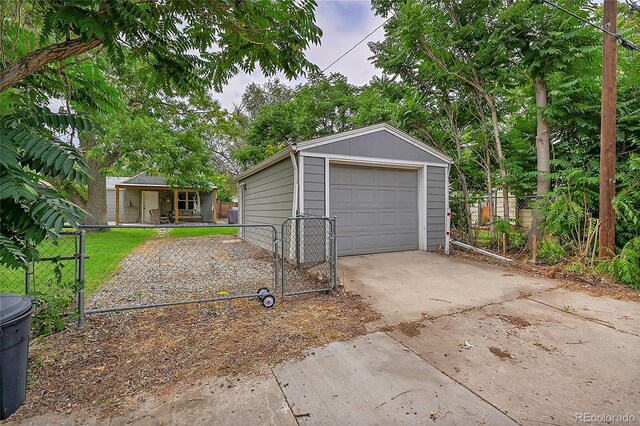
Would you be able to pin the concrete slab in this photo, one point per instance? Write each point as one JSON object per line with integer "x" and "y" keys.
{"x": 406, "y": 286}
{"x": 375, "y": 380}
{"x": 535, "y": 363}
{"x": 620, "y": 314}
{"x": 251, "y": 400}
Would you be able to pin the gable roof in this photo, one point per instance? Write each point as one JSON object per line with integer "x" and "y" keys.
{"x": 301, "y": 146}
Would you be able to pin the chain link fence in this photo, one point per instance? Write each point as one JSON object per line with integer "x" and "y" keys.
{"x": 53, "y": 275}
{"x": 309, "y": 255}
{"x": 148, "y": 266}
{"x": 114, "y": 268}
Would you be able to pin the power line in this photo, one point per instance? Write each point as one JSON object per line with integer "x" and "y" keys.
{"x": 623, "y": 42}
{"x": 356, "y": 45}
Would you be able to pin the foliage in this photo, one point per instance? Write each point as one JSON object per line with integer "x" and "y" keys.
{"x": 71, "y": 50}
{"x": 550, "y": 251}
{"x": 626, "y": 265}
{"x": 31, "y": 209}
{"x": 322, "y": 106}
{"x": 51, "y": 306}
{"x": 189, "y": 46}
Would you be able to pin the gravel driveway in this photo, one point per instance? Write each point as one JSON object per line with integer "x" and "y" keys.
{"x": 173, "y": 269}
{"x": 178, "y": 269}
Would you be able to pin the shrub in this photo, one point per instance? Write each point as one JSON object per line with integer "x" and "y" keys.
{"x": 550, "y": 252}
{"x": 626, "y": 265}
{"x": 516, "y": 236}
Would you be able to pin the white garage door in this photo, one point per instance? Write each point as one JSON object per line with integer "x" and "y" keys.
{"x": 377, "y": 208}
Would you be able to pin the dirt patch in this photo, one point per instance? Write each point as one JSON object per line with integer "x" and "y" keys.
{"x": 500, "y": 353}
{"x": 117, "y": 356}
{"x": 410, "y": 329}
{"x": 592, "y": 284}
{"x": 515, "y": 321}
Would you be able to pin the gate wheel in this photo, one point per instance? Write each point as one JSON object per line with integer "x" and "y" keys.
{"x": 268, "y": 301}
{"x": 263, "y": 292}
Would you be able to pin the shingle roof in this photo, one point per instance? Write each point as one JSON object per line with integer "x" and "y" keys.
{"x": 144, "y": 179}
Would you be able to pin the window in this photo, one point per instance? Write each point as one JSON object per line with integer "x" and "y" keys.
{"x": 186, "y": 200}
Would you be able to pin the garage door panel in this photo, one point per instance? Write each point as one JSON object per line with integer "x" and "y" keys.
{"x": 361, "y": 196}
{"x": 407, "y": 196}
{"x": 377, "y": 208}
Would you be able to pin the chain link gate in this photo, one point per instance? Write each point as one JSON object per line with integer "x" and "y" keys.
{"x": 309, "y": 255}
{"x": 169, "y": 265}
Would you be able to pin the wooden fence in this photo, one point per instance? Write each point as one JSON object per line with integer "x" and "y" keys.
{"x": 224, "y": 207}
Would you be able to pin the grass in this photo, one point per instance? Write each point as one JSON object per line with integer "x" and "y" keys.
{"x": 199, "y": 232}
{"x": 105, "y": 251}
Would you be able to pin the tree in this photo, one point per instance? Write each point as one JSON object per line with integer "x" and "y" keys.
{"x": 546, "y": 42}
{"x": 322, "y": 106}
{"x": 187, "y": 46}
{"x": 429, "y": 38}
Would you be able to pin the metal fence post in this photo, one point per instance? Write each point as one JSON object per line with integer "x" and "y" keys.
{"x": 27, "y": 278}
{"x": 81, "y": 279}
{"x": 284, "y": 260}
{"x": 274, "y": 242}
{"x": 334, "y": 259}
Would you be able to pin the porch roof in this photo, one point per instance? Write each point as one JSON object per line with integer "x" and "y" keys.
{"x": 146, "y": 181}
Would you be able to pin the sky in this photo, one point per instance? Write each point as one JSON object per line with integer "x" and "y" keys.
{"x": 343, "y": 23}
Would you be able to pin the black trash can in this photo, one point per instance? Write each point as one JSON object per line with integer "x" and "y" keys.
{"x": 16, "y": 313}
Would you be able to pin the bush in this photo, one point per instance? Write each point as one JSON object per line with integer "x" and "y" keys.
{"x": 626, "y": 265}
{"x": 516, "y": 236}
{"x": 550, "y": 252}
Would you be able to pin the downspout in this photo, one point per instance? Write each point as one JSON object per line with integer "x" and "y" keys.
{"x": 294, "y": 205}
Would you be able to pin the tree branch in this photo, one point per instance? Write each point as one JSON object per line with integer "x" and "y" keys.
{"x": 24, "y": 67}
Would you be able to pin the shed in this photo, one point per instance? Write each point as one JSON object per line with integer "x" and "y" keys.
{"x": 388, "y": 190}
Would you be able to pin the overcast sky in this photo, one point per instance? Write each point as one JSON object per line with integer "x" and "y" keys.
{"x": 343, "y": 23}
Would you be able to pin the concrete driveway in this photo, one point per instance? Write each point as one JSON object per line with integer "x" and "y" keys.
{"x": 409, "y": 286}
{"x": 458, "y": 343}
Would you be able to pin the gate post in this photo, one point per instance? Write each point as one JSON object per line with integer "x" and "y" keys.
{"x": 334, "y": 254}
{"x": 27, "y": 278}
{"x": 81, "y": 279}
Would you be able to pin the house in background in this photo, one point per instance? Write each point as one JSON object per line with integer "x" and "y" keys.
{"x": 112, "y": 181}
{"x": 148, "y": 199}
{"x": 388, "y": 190}
{"x": 520, "y": 209}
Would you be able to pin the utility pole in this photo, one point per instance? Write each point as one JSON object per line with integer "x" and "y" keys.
{"x": 608, "y": 132}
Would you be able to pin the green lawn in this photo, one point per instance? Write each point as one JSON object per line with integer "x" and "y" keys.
{"x": 198, "y": 231}
{"x": 105, "y": 251}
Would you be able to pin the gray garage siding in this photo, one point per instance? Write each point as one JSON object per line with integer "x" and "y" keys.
{"x": 380, "y": 144}
{"x": 435, "y": 207}
{"x": 267, "y": 199}
{"x": 314, "y": 248}
{"x": 314, "y": 190}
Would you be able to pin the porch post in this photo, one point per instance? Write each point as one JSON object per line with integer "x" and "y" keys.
{"x": 215, "y": 206}
{"x": 175, "y": 205}
{"x": 117, "y": 205}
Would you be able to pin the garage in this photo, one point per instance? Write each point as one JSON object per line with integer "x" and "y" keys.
{"x": 388, "y": 190}
{"x": 376, "y": 208}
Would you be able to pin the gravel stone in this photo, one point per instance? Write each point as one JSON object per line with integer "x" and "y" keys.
{"x": 180, "y": 269}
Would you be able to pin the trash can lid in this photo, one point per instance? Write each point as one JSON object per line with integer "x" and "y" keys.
{"x": 12, "y": 306}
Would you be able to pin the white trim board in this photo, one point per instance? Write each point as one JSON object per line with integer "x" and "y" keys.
{"x": 372, "y": 161}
